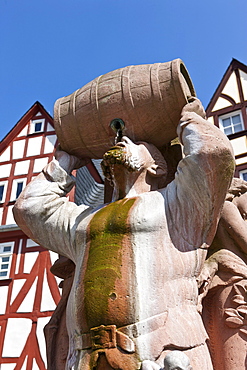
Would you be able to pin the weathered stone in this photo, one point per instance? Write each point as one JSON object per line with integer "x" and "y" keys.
{"x": 223, "y": 282}
{"x": 134, "y": 296}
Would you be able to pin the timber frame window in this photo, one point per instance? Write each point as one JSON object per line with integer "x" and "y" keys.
{"x": 37, "y": 125}
{"x": 3, "y": 189}
{"x": 17, "y": 187}
{"x": 243, "y": 175}
{"x": 231, "y": 123}
{"x": 6, "y": 251}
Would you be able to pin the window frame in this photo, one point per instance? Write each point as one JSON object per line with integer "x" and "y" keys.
{"x": 34, "y": 122}
{"x": 5, "y": 184}
{"x": 4, "y": 255}
{"x": 241, "y": 172}
{"x": 15, "y": 183}
{"x": 231, "y": 115}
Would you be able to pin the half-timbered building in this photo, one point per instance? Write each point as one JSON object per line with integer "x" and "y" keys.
{"x": 228, "y": 110}
{"x": 29, "y": 291}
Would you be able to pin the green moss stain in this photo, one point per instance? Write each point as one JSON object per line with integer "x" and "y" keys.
{"x": 105, "y": 235}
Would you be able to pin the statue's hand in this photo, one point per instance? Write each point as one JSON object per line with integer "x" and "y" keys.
{"x": 150, "y": 365}
{"x": 194, "y": 106}
{"x": 69, "y": 162}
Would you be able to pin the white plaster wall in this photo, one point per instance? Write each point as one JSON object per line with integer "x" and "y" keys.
{"x": 211, "y": 120}
{"x": 47, "y": 302}
{"x": 10, "y": 218}
{"x": 3, "y": 295}
{"x": 5, "y": 156}
{"x": 18, "y": 257}
{"x": 239, "y": 145}
{"x": 50, "y": 142}
{"x": 39, "y": 164}
{"x": 28, "y": 301}
{"x": 30, "y": 259}
{"x": 17, "y": 333}
{"x": 23, "y": 132}
{"x": 5, "y": 170}
{"x": 54, "y": 256}
{"x": 231, "y": 88}
{"x": 35, "y": 366}
{"x": 34, "y": 146}
{"x": 18, "y": 149}
{"x": 21, "y": 168}
{"x": 42, "y": 321}
{"x": 31, "y": 243}
{"x": 243, "y": 77}
{"x": 17, "y": 285}
{"x": 7, "y": 366}
{"x": 241, "y": 161}
{"x": 24, "y": 366}
{"x": 220, "y": 104}
{"x": 49, "y": 127}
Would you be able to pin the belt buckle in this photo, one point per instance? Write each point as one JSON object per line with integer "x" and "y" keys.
{"x": 103, "y": 336}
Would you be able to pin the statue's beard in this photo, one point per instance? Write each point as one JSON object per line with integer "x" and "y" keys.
{"x": 119, "y": 156}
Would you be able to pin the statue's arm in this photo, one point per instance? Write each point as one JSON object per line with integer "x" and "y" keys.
{"x": 44, "y": 212}
{"x": 233, "y": 222}
{"x": 203, "y": 176}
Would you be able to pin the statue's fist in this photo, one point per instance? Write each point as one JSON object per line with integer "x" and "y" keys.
{"x": 195, "y": 106}
{"x": 69, "y": 162}
{"x": 150, "y": 365}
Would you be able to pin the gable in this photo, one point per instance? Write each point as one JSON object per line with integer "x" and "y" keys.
{"x": 231, "y": 91}
{"x": 24, "y": 152}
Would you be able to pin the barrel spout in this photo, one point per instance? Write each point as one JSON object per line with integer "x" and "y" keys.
{"x": 118, "y": 125}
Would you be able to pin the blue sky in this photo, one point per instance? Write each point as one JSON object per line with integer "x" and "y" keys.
{"x": 50, "y": 48}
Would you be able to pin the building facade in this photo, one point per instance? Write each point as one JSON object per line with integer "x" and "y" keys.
{"x": 228, "y": 110}
{"x": 29, "y": 291}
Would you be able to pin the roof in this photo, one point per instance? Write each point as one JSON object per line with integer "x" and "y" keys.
{"x": 35, "y": 108}
{"x": 234, "y": 65}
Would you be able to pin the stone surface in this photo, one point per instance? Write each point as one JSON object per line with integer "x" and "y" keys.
{"x": 137, "y": 260}
{"x": 147, "y": 98}
{"x": 223, "y": 282}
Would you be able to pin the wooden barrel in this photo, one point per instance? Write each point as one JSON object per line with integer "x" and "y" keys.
{"x": 148, "y": 98}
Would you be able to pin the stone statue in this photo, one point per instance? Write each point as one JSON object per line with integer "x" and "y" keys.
{"x": 223, "y": 281}
{"x": 174, "y": 360}
{"x": 134, "y": 295}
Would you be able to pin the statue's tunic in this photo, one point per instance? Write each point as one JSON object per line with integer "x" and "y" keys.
{"x": 136, "y": 259}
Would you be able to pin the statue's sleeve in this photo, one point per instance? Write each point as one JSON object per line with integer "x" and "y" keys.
{"x": 196, "y": 196}
{"x": 46, "y": 215}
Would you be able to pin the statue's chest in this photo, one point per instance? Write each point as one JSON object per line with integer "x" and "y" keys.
{"x": 103, "y": 280}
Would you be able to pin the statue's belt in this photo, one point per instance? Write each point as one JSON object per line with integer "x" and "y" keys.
{"x": 109, "y": 336}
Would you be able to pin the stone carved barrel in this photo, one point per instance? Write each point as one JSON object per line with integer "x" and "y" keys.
{"x": 148, "y": 98}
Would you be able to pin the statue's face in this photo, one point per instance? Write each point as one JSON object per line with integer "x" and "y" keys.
{"x": 131, "y": 156}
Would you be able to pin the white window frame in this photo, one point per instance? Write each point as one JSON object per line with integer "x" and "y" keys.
{"x": 15, "y": 186}
{"x": 230, "y": 115}
{"x": 6, "y": 259}
{"x": 34, "y": 122}
{"x": 241, "y": 173}
{"x": 5, "y": 184}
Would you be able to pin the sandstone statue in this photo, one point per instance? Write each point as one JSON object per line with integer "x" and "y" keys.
{"x": 137, "y": 259}
{"x": 223, "y": 281}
